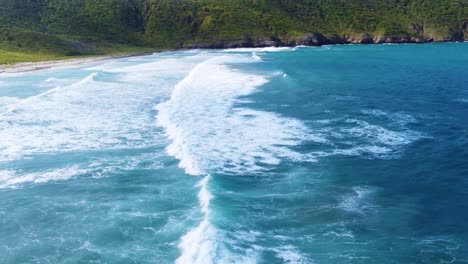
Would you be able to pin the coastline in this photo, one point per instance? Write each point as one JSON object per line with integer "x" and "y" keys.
{"x": 317, "y": 39}
{"x": 47, "y": 64}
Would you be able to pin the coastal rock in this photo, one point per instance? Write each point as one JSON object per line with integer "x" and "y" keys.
{"x": 315, "y": 39}
{"x": 228, "y": 44}
{"x": 362, "y": 38}
{"x": 405, "y": 39}
{"x": 267, "y": 43}
{"x": 415, "y": 39}
{"x": 337, "y": 40}
{"x": 392, "y": 39}
{"x": 465, "y": 30}
{"x": 216, "y": 45}
{"x": 312, "y": 39}
{"x": 379, "y": 39}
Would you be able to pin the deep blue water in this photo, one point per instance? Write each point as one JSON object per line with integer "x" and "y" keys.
{"x": 336, "y": 154}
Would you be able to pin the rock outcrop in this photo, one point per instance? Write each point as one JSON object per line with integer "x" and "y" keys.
{"x": 316, "y": 39}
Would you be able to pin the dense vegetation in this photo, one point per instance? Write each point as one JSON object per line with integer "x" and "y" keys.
{"x": 80, "y": 27}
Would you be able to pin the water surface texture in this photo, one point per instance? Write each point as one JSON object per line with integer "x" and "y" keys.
{"x": 335, "y": 154}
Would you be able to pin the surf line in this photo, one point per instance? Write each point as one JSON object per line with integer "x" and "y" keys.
{"x": 12, "y": 108}
{"x": 204, "y": 97}
{"x": 197, "y": 246}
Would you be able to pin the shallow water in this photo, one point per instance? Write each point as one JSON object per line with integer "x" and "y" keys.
{"x": 337, "y": 154}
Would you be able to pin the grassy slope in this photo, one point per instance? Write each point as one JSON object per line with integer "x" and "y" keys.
{"x": 18, "y": 45}
{"x": 9, "y": 57}
{"x": 35, "y": 30}
{"x": 45, "y": 29}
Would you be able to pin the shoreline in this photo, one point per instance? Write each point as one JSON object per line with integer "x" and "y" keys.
{"x": 48, "y": 64}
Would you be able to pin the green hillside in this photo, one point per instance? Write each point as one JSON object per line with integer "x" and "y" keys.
{"x": 44, "y": 29}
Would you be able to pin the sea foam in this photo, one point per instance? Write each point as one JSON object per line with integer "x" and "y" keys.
{"x": 88, "y": 114}
{"x": 198, "y": 245}
{"x": 265, "y": 49}
{"x": 211, "y": 133}
{"x": 13, "y": 179}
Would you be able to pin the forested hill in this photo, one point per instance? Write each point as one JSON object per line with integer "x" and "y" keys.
{"x": 74, "y": 27}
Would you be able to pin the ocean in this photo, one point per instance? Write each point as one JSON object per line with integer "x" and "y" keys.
{"x": 333, "y": 154}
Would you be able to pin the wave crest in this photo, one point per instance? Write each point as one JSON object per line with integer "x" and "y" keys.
{"x": 211, "y": 133}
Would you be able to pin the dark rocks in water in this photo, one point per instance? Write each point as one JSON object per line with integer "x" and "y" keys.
{"x": 247, "y": 43}
{"x": 312, "y": 39}
{"x": 316, "y": 39}
{"x": 267, "y": 43}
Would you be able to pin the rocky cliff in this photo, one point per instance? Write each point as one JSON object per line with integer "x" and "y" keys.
{"x": 95, "y": 26}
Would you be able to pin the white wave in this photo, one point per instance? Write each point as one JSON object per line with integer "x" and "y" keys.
{"x": 197, "y": 245}
{"x": 376, "y": 151}
{"x": 266, "y": 49}
{"x": 12, "y": 179}
{"x": 159, "y": 70}
{"x": 88, "y": 246}
{"x": 306, "y": 47}
{"x": 398, "y": 118}
{"x": 54, "y": 81}
{"x": 338, "y": 230}
{"x": 102, "y": 66}
{"x": 97, "y": 168}
{"x": 290, "y": 255}
{"x": 445, "y": 248}
{"x": 51, "y": 79}
{"x": 374, "y": 112}
{"x": 8, "y": 101}
{"x": 276, "y": 49}
{"x": 249, "y": 50}
{"x": 189, "y": 51}
{"x": 341, "y": 234}
{"x": 444, "y": 244}
{"x": 255, "y": 56}
{"x": 380, "y": 135}
{"x": 162, "y": 65}
{"x": 210, "y": 134}
{"x": 358, "y": 201}
{"x": 354, "y": 137}
{"x": 29, "y": 99}
{"x": 88, "y": 114}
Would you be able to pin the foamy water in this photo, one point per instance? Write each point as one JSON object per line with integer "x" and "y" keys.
{"x": 266, "y": 155}
{"x": 210, "y": 133}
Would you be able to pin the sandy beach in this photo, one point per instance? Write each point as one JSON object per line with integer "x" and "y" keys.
{"x": 41, "y": 65}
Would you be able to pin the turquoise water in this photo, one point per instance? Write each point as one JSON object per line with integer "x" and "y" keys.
{"x": 335, "y": 154}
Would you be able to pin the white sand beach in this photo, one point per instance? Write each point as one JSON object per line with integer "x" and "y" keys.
{"x": 40, "y": 65}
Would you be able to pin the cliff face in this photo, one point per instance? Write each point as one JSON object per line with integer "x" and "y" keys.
{"x": 80, "y": 26}
{"x": 232, "y": 23}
